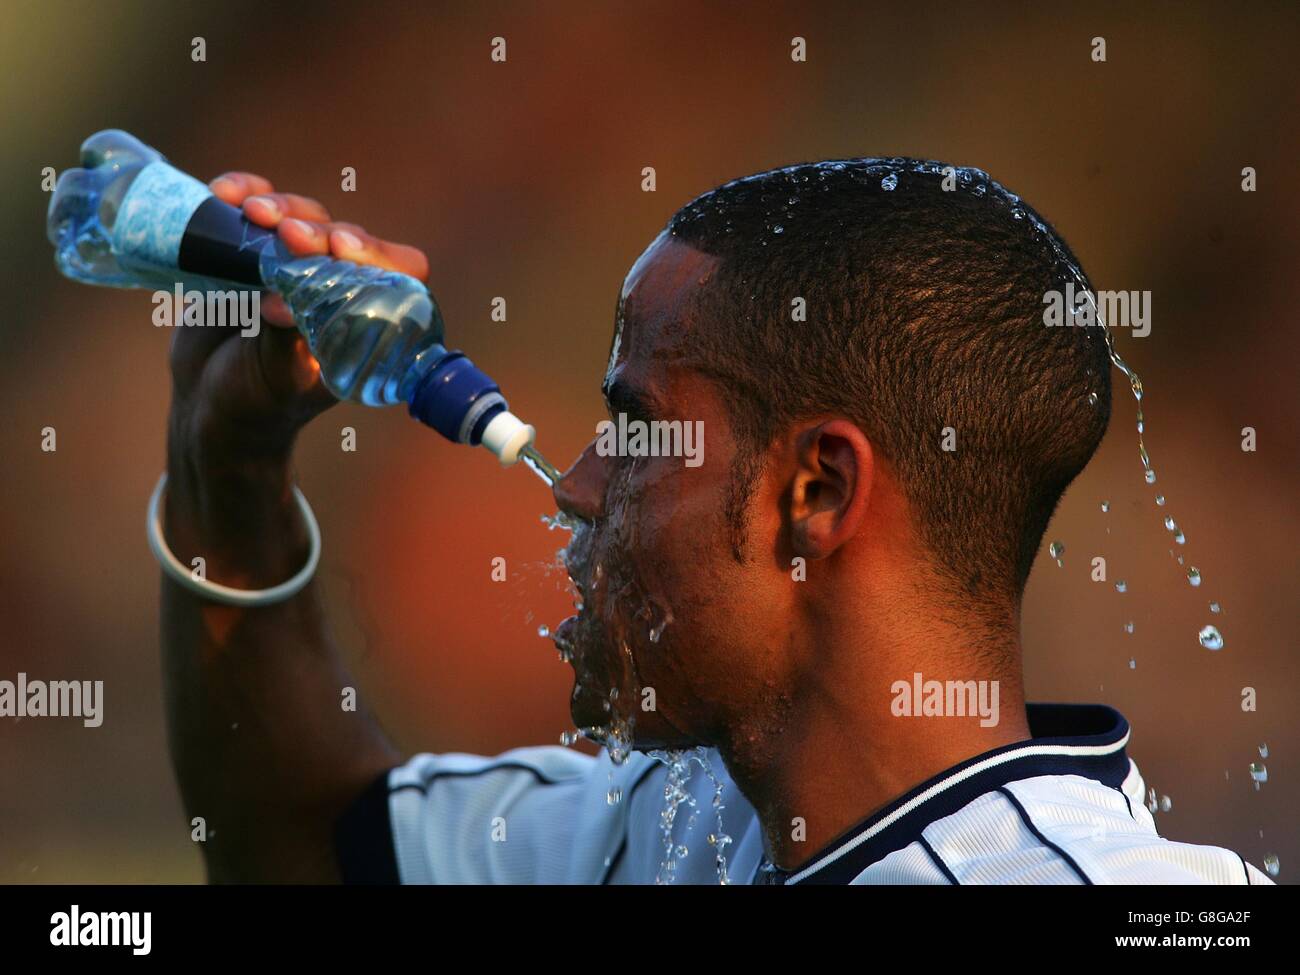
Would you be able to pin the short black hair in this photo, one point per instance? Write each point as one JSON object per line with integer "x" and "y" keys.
{"x": 924, "y": 287}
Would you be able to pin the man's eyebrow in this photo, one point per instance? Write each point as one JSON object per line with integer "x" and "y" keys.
{"x": 622, "y": 397}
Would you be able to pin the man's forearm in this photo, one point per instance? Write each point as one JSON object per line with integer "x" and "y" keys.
{"x": 261, "y": 745}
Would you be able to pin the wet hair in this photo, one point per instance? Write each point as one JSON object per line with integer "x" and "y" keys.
{"x": 924, "y": 288}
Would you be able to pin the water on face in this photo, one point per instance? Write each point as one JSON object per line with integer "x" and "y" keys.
{"x": 615, "y": 614}
{"x": 635, "y": 618}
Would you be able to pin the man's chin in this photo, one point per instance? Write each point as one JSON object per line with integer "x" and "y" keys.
{"x": 649, "y": 731}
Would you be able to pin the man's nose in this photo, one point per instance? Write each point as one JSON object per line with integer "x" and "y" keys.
{"x": 581, "y": 490}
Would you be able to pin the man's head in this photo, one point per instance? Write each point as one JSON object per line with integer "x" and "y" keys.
{"x": 888, "y": 427}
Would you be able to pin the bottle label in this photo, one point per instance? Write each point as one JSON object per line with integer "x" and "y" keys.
{"x": 152, "y": 218}
{"x": 219, "y": 243}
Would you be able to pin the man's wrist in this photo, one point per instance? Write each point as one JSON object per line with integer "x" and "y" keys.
{"x": 237, "y": 513}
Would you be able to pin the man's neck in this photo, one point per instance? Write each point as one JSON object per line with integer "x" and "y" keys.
{"x": 857, "y": 740}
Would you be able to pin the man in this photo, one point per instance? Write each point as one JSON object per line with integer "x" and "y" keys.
{"x": 818, "y": 624}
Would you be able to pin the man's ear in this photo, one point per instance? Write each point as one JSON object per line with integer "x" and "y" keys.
{"x": 834, "y": 468}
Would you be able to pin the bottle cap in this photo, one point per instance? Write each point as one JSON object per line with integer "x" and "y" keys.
{"x": 506, "y": 435}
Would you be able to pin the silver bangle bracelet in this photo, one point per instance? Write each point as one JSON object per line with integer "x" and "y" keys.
{"x": 215, "y": 591}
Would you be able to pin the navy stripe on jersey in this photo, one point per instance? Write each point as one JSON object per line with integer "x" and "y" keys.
{"x": 938, "y": 860}
{"x": 1044, "y": 840}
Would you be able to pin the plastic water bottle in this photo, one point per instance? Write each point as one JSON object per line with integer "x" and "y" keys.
{"x": 128, "y": 218}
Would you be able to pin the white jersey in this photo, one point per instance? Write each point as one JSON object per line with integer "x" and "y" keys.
{"x": 1064, "y": 807}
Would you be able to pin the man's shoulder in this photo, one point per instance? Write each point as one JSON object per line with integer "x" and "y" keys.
{"x": 1070, "y": 829}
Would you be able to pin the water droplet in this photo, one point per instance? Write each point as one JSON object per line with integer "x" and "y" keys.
{"x": 1166, "y": 804}
{"x": 1170, "y": 524}
{"x": 1194, "y": 575}
{"x": 1258, "y": 773}
{"x": 1105, "y": 506}
{"x": 889, "y": 183}
{"x": 1210, "y": 638}
{"x": 543, "y": 630}
{"x": 1179, "y": 537}
{"x": 1132, "y": 663}
{"x": 1056, "y": 550}
{"x": 1092, "y": 399}
{"x": 1121, "y": 586}
{"x": 778, "y": 229}
{"x": 1215, "y": 608}
{"x": 1272, "y": 865}
{"x": 567, "y": 738}
{"x": 614, "y": 796}
{"x": 1018, "y": 214}
{"x": 1128, "y": 627}
{"x": 1149, "y": 477}
{"x": 1263, "y": 751}
{"x": 1152, "y": 805}
{"x": 1160, "y": 499}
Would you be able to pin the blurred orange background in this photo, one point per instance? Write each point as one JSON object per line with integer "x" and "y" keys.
{"x": 522, "y": 180}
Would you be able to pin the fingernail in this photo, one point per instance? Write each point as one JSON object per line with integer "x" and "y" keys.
{"x": 302, "y": 226}
{"x": 344, "y": 240}
{"x": 222, "y": 185}
{"x": 272, "y": 208}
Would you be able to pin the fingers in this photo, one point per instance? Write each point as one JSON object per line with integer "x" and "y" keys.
{"x": 261, "y": 204}
{"x": 304, "y": 225}
{"x": 268, "y": 209}
{"x": 304, "y": 237}
{"x": 349, "y": 242}
{"x": 354, "y": 244}
{"x": 234, "y": 188}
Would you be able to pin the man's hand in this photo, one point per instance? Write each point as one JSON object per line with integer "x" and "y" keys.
{"x": 237, "y": 393}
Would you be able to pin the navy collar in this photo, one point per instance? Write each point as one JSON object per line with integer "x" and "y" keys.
{"x": 1068, "y": 739}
